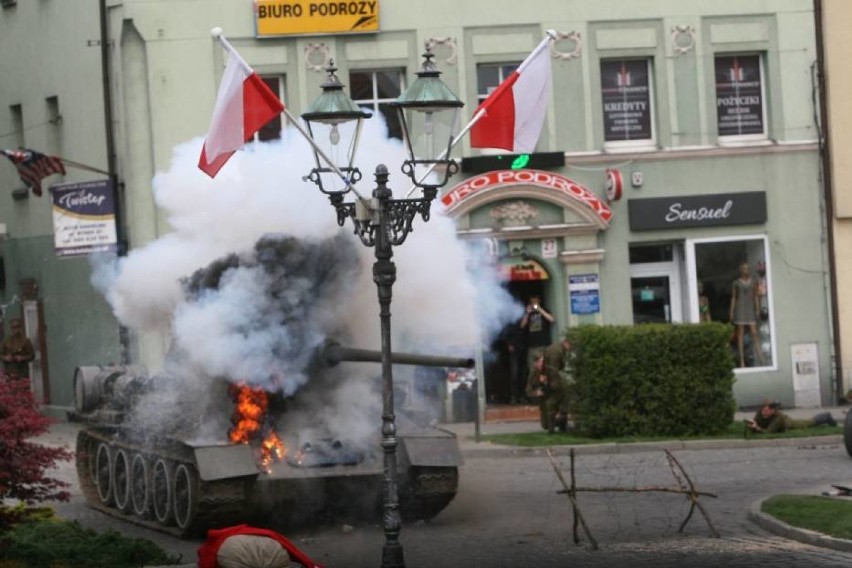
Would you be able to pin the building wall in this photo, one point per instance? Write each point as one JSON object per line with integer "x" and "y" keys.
{"x": 51, "y": 50}
{"x": 837, "y": 47}
{"x": 165, "y": 69}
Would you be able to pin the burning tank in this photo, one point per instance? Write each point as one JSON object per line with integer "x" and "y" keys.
{"x": 225, "y": 454}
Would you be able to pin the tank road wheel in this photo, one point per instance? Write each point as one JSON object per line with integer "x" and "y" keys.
{"x": 161, "y": 487}
{"x": 140, "y": 489}
{"x": 847, "y": 433}
{"x": 103, "y": 474}
{"x": 121, "y": 481}
{"x": 185, "y": 496}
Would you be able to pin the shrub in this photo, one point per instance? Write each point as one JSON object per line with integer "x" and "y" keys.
{"x": 653, "y": 379}
{"x": 60, "y": 544}
{"x": 23, "y": 463}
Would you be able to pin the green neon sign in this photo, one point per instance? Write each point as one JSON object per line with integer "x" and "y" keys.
{"x": 520, "y": 162}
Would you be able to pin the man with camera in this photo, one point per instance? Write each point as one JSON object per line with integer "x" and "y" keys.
{"x": 532, "y": 332}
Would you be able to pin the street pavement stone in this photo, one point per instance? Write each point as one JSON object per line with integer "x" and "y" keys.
{"x": 744, "y": 547}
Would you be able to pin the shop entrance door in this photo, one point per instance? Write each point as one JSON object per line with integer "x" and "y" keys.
{"x": 655, "y": 293}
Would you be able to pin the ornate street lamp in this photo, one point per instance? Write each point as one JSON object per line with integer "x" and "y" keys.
{"x": 330, "y": 121}
{"x": 382, "y": 222}
{"x": 429, "y": 113}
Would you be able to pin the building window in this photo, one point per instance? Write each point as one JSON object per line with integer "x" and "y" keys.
{"x": 54, "y": 134}
{"x": 730, "y": 280}
{"x": 374, "y": 90}
{"x": 627, "y": 97}
{"x": 16, "y": 113}
{"x": 488, "y": 76}
{"x": 740, "y": 101}
{"x": 272, "y": 129}
{"x": 655, "y": 282}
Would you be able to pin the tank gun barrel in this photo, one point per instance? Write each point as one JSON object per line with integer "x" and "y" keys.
{"x": 333, "y": 353}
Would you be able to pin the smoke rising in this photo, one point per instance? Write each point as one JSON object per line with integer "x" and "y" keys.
{"x": 254, "y": 271}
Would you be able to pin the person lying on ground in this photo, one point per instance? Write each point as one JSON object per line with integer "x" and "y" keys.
{"x": 770, "y": 420}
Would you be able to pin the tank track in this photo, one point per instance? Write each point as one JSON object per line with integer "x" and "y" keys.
{"x": 427, "y": 491}
{"x": 159, "y": 489}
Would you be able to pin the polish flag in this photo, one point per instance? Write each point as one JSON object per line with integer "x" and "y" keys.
{"x": 514, "y": 111}
{"x": 243, "y": 106}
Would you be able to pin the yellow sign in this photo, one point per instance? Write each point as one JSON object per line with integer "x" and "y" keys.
{"x": 286, "y": 17}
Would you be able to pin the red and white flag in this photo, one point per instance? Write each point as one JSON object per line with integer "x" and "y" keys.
{"x": 514, "y": 111}
{"x": 243, "y": 106}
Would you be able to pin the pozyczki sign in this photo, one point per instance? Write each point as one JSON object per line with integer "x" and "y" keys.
{"x": 289, "y": 17}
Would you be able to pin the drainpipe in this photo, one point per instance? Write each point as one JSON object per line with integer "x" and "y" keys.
{"x": 117, "y": 187}
{"x": 825, "y": 153}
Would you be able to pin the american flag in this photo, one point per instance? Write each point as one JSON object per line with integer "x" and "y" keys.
{"x": 34, "y": 167}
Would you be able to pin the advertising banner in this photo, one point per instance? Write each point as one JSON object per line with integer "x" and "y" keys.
{"x": 739, "y": 101}
{"x": 626, "y": 95}
{"x": 718, "y": 209}
{"x": 83, "y": 218}
{"x": 585, "y": 292}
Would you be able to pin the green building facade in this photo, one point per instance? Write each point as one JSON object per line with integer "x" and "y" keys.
{"x": 680, "y": 142}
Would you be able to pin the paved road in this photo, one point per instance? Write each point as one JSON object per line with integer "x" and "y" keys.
{"x": 508, "y": 513}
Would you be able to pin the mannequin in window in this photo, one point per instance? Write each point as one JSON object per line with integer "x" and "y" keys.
{"x": 745, "y": 307}
{"x": 703, "y": 304}
{"x": 763, "y": 307}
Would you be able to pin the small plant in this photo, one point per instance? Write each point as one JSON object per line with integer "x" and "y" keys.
{"x": 23, "y": 463}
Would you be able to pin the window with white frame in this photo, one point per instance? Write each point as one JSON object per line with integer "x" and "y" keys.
{"x": 740, "y": 100}
{"x": 489, "y": 76}
{"x": 627, "y": 98}
{"x": 272, "y": 129}
{"x": 374, "y": 90}
{"x": 730, "y": 282}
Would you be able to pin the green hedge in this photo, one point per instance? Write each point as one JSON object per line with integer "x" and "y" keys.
{"x": 653, "y": 379}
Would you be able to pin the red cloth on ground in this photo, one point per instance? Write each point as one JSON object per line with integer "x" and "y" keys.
{"x": 215, "y": 537}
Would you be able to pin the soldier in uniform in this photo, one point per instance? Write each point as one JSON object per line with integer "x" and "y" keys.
{"x": 769, "y": 419}
{"x": 548, "y": 383}
{"x": 17, "y": 350}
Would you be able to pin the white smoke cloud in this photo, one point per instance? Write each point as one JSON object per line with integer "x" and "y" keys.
{"x": 439, "y": 303}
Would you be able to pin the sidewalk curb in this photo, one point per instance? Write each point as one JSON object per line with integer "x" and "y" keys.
{"x": 472, "y": 449}
{"x": 782, "y": 529}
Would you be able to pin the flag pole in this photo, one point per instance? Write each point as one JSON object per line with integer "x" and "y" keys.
{"x": 217, "y": 33}
{"x": 80, "y": 166}
{"x": 551, "y": 36}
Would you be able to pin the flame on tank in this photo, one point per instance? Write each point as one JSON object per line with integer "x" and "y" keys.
{"x": 250, "y": 423}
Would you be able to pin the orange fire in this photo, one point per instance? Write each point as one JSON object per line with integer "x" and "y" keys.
{"x": 249, "y": 421}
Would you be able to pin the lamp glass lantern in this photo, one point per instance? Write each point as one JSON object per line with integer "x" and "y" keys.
{"x": 429, "y": 113}
{"x": 334, "y": 124}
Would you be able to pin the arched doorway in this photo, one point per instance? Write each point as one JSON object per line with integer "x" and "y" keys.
{"x": 506, "y": 369}
{"x": 542, "y": 228}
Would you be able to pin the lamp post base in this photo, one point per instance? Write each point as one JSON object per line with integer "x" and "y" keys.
{"x": 392, "y": 556}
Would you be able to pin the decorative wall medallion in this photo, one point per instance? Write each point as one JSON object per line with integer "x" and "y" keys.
{"x": 449, "y": 45}
{"x": 514, "y": 213}
{"x": 683, "y": 39}
{"x": 572, "y": 39}
{"x": 317, "y": 56}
